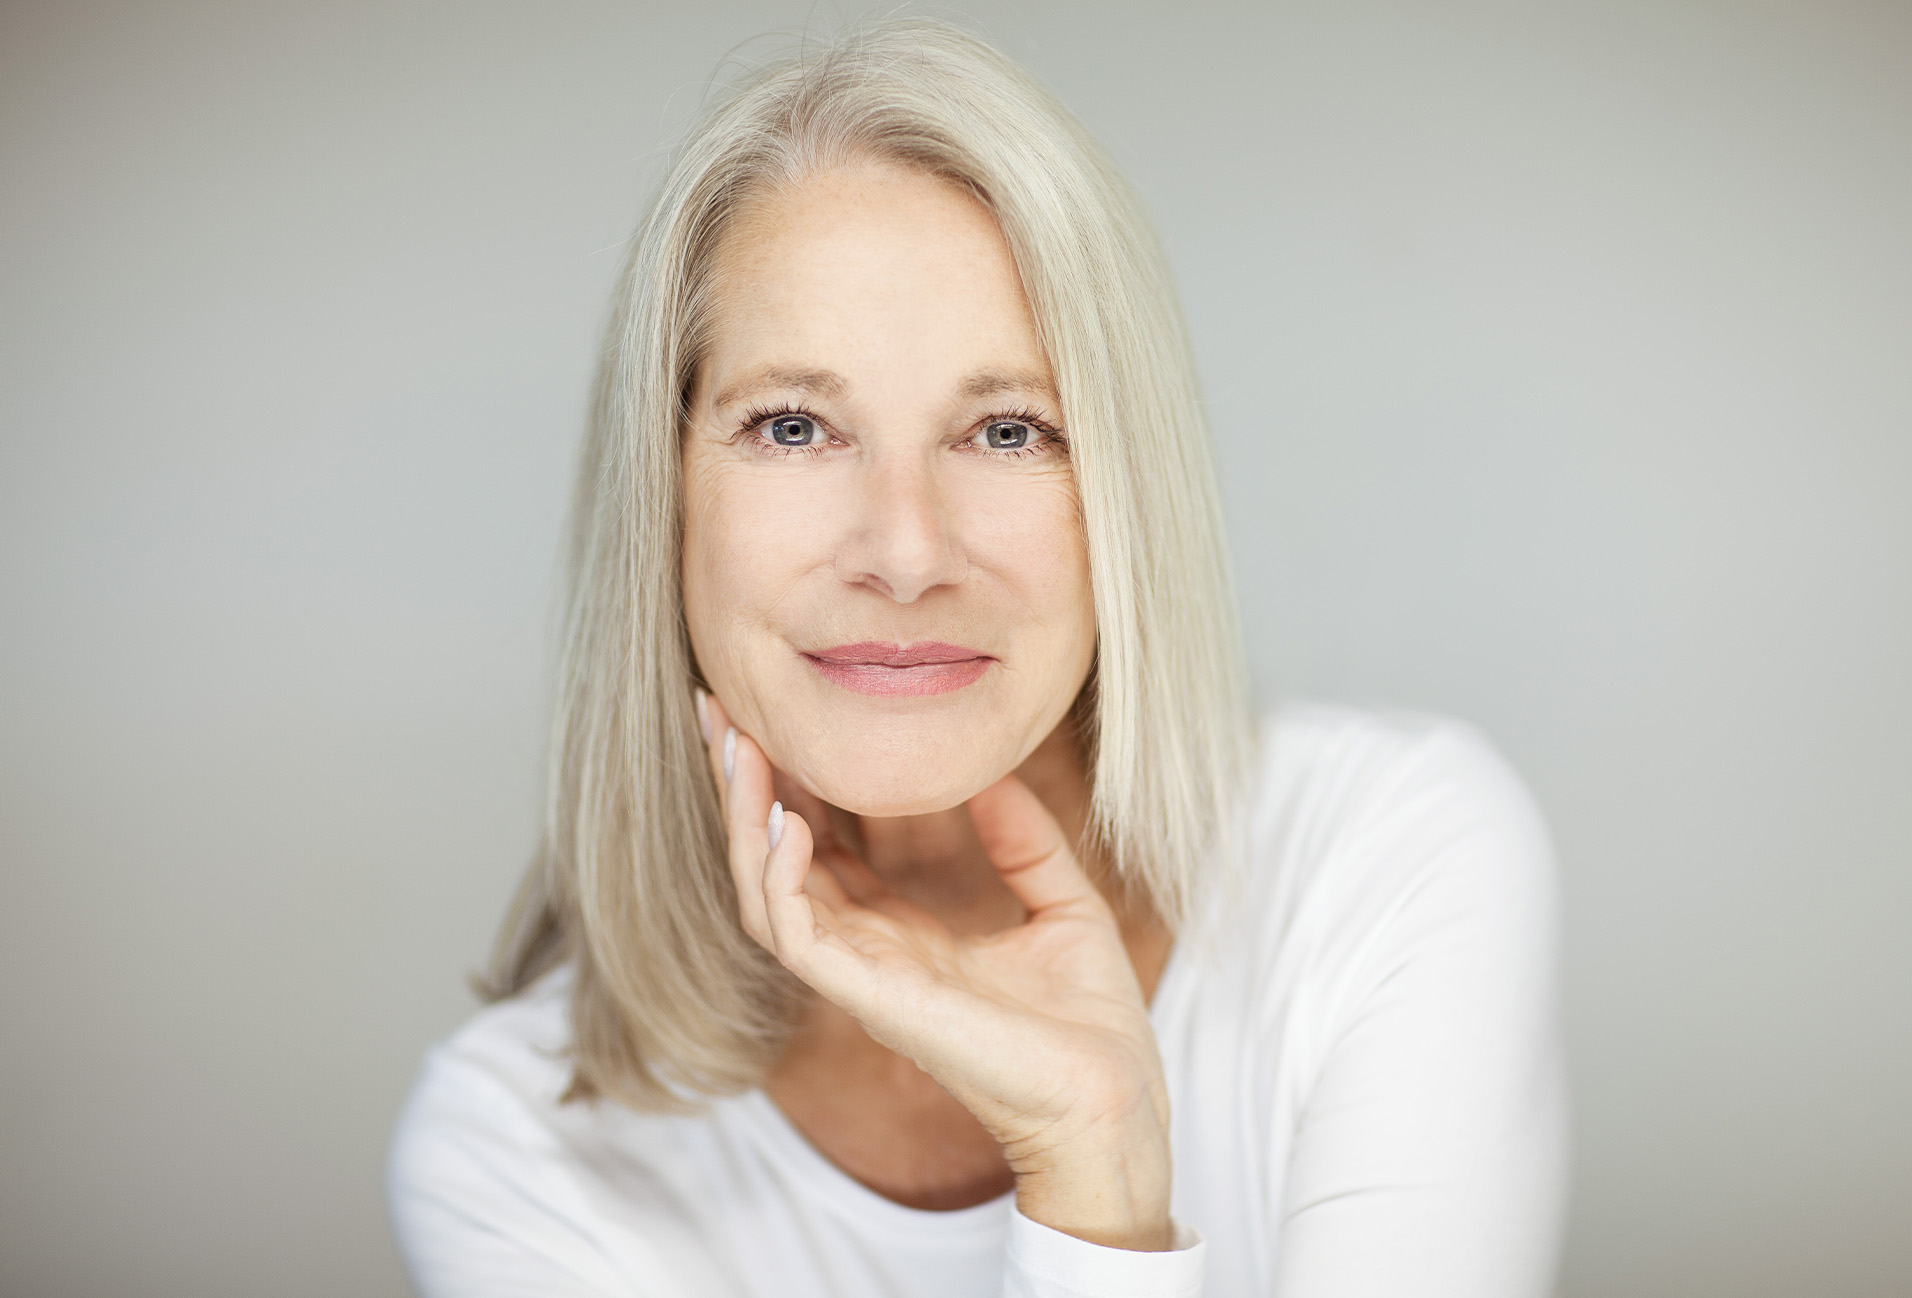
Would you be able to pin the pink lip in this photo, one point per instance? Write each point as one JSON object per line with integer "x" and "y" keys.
{"x": 879, "y": 667}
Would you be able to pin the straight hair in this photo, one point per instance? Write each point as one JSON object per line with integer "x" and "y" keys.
{"x": 671, "y": 1001}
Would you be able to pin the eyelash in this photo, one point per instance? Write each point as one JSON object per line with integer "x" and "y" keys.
{"x": 758, "y": 416}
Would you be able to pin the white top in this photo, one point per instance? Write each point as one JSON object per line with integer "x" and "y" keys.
{"x": 1363, "y": 1061}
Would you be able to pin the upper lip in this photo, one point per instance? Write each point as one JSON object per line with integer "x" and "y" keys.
{"x": 885, "y": 653}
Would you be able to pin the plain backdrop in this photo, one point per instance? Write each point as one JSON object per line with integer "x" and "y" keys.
{"x": 1560, "y": 364}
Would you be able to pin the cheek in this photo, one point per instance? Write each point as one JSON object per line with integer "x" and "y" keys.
{"x": 1075, "y": 600}
{"x": 1072, "y": 594}
{"x": 1029, "y": 536}
{"x": 745, "y": 544}
{"x": 1052, "y": 553}
{"x": 715, "y": 573}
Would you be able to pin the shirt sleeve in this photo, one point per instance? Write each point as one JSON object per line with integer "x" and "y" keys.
{"x": 1044, "y": 1263}
{"x": 1430, "y": 1151}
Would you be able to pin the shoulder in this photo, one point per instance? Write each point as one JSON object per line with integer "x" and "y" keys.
{"x": 509, "y": 1061}
{"x": 1365, "y": 825}
{"x": 497, "y": 1184}
{"x": 1331, "y": 780}
{"x": 1343, "y": 769}
{"x": 482, "y": 1099}
{"x": 480, "y": 1176}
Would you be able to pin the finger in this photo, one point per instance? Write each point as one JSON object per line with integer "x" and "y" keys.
{"x": 839, "y": 861}
{"x": 746, "y": 825}
{"x": 826, "y": 894}
{"x": 1030, "y": 851}
{"x": 812, "y": 809}
{"x": 713, "y": 711}
{"x": 821, "y": 885}
{"x": 845, "y": 867}
{"x": 701, "y": 697}
{"x": 804, "y": 935}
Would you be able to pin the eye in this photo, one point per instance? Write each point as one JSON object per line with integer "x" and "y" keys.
{"x": 1007, "y": 435}
{"x": 792, "y": 431}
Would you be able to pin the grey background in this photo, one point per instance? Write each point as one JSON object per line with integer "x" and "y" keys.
{"x": 1561, "y": 364}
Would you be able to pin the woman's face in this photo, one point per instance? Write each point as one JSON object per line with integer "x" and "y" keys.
{"x": 885, "y": 576}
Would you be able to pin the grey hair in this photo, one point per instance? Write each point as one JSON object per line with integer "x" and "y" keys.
{"x": 671, "y": 1000}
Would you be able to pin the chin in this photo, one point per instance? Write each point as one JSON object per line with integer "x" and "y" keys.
{"x": 867, "y": 785}
{"x": 889, "y": 805}
{"x": 890, "y": 769}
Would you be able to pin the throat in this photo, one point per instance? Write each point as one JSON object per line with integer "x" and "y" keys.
{"x": 935, "y": 862}
{"x": 881, "y": 1120}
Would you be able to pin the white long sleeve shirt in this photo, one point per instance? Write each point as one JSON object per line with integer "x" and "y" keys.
{"x": 1363, "y": 1062}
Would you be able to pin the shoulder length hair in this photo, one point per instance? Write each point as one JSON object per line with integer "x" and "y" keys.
{"x": 671, "y": 1001}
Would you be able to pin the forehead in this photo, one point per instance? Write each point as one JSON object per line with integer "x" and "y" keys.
{"x": 873, "y": 265}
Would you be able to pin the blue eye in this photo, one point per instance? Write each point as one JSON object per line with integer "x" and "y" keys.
{"x": 792, "y": 430}
{"x": 1008, "y": 435}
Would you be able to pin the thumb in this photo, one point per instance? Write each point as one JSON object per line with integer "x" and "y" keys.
{"x": 1030, "y": 851}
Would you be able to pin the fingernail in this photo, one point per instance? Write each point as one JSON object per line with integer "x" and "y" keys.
{"x": 730, "y": 753}
{"x": 776, "y": 823}
{"x": 703, "y": 714}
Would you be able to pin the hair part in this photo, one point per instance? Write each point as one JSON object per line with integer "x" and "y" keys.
{"x": 672, "y": 1002}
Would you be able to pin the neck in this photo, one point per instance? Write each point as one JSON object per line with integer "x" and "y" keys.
{"x": 936, "y": 861}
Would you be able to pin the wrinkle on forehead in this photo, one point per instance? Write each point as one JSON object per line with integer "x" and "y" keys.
{"x": 749, "y": 257}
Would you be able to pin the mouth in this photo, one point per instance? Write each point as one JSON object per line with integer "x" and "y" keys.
{"x": 881, "y": 667}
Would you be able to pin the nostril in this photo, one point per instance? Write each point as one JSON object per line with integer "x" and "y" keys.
{"x": 904, "y": 544}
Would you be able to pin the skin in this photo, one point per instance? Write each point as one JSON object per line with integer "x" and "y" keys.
{"x": 980, "y": 1017}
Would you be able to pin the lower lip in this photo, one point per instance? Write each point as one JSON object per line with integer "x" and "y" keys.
{"x": 924, "y": 678}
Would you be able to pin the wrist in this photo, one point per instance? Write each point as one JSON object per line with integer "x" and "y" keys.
{"x": 1109, "y": 1187}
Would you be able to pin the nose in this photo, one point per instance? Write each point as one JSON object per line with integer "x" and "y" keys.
{"x": 902, "y": 540}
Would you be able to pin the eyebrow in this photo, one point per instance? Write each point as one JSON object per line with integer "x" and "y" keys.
{"x": 989, "y": 383}
{"x": 828, "y": 383}
{"x": 824, "y": 383}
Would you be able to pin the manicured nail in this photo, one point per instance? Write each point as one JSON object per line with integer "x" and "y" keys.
{"x": 776, "y": 823}
{"x": 730, "y": 753}
{"x": 703, "y": 714}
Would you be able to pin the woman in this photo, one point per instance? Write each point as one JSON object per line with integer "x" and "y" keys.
{"x": 915, "y": 915}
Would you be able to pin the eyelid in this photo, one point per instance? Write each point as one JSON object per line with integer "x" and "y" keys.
{"x": 1047, "y": 434}
{"x": 754, "y": 419}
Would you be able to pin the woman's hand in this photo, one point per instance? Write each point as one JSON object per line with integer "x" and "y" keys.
{"x": 1040, "y": 1030}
